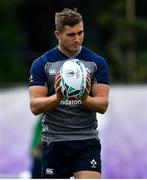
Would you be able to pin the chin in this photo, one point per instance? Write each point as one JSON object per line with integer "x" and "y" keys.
{"x": 76, "y": 48}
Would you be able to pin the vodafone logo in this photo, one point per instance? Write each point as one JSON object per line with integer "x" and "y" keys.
{"x": 70, "y": 102}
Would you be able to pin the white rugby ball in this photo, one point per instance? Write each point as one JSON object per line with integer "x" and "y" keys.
{"x": 73, "y": 79}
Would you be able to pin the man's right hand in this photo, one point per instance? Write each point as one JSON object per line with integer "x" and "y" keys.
{"x": 58, "y": 87}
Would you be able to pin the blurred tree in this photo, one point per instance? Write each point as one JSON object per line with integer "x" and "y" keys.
{"x": 122, "y": 30}
{"x": 12, "y": 43}
{"x": 115, "y": 29}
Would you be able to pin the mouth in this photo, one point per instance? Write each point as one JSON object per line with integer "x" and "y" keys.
{"x": 76, "y": 45}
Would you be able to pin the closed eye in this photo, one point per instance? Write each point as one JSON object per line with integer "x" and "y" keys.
{"x": 74, "y": 34}
{"x": 80, "y": 33}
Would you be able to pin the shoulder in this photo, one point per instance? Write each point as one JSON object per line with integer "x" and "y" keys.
{"x": 45, "y": 58}
{"x": 92, "y": 58}
{"x": 99, "y": 63}
{"x": 91, "y": 55}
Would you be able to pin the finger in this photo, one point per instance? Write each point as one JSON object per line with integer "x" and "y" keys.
{"x": 57, "y": 76}
{"x": 88, "y": 78}
{"x": 58, "y": 89}
{"x": 88, "y": 84}
{"x": 57, "y": 79}
{"x": 86, "y": 91}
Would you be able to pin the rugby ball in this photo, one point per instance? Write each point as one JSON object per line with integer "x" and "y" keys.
{"x": 73, "y": 79}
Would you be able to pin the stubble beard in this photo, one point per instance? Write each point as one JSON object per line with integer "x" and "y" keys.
{"x": 70, "y": 51}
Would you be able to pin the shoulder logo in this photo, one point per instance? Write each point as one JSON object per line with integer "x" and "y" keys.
{"x": 52, "y": 71}
{"x": 31, "y": 78}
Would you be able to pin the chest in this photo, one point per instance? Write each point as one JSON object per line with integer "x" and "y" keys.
{"x": 52, "y": 68}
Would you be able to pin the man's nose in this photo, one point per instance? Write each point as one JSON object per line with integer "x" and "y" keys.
{"x": 77, "y": 38}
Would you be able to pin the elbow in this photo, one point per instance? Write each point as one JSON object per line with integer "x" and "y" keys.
{"x": 102, "y": 111}
{"x": 34, "y": 109}
{"x": 104, "y": 108}
{"x": 34, "y": 112}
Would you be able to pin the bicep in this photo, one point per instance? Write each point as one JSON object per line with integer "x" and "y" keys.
{"x": 38, "y": 91}
{"x": 100, "y": 90}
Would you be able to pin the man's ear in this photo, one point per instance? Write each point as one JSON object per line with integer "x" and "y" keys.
{"x": 57, "y": 34}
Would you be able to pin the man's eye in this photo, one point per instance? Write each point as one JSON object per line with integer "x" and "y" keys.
{"x": 71, "y": 35}
{"x": 80, "y": 32}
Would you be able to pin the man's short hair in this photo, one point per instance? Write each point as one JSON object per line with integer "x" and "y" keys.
{"x": 67, "y": 17}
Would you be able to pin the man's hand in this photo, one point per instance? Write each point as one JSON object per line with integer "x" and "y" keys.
{"x": 58, "y": 87}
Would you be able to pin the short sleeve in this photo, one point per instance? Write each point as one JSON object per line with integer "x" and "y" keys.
{"x": 102, "y": 72}
{"x": 37, "y": 73}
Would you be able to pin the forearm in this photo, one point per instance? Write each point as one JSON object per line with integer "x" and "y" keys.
{"x": 97, "y": 104}
{"x": 43, "y": 104}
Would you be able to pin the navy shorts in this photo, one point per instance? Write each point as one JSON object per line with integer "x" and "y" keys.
{"x": 62, "y": 159}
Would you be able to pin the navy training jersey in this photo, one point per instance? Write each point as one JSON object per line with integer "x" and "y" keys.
{"x": 70, "y": 119}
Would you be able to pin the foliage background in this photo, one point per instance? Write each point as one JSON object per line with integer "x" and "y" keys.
{"x": 116, "y": 30}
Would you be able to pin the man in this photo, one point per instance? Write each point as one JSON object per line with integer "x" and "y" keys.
{"x": 70, "y": 142}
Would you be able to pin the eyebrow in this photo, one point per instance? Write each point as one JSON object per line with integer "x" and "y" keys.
{"x": 76, "y": 33}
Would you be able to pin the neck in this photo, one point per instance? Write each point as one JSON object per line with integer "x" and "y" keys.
{"x": 69, "y": 53}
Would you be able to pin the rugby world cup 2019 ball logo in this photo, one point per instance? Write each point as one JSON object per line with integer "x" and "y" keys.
{"x": 73, "y": 79}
